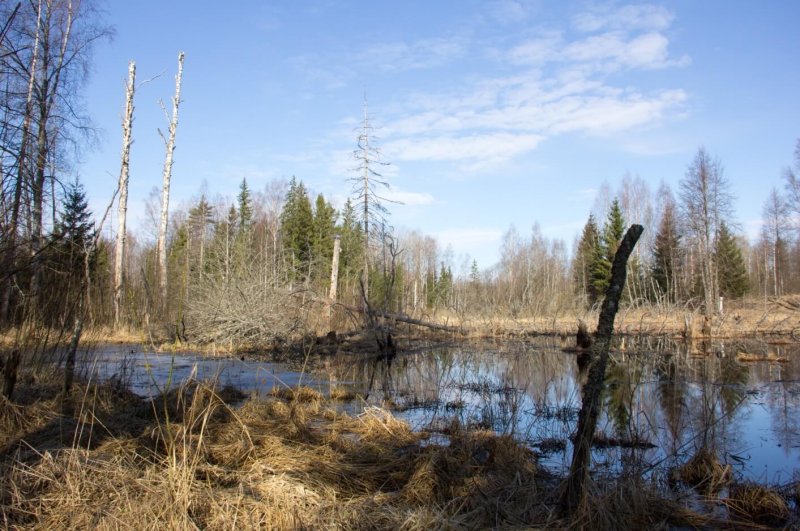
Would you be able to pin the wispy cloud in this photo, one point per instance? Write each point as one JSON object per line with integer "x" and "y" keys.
{"x": 630, "y": 17}
{"x": 559, "y": 86}
{"x": 412, "y": 55}
{"x": 462, "y": 148}
{"x": 408, "y": 198}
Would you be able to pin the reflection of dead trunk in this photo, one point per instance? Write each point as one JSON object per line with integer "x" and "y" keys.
{"x": 10, "y": 373}
{"x": 574, "y": 494}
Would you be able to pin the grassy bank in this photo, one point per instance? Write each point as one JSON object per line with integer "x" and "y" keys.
{"x": 103, "y": 458}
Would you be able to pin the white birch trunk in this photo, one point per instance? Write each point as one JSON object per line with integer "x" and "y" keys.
{"x": 162, "y": 231}
{"x": 335, "y": 269}
{"x": 127, "y": 124}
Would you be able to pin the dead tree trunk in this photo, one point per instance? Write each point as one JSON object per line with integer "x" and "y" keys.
{"x": 170, "y": 143}
{"x": 10, "y": 373}
{"x": 574, "y": 495}
{"x": 127, "y": 123}
{"x": 335, "y": 269}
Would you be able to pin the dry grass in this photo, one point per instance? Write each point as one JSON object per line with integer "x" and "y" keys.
{"x": 758, "y": 504}
{"x": 704, "y": 472}
{"x": 343, "y": 394}
{"x": 189, "y": 459}
{"x": 748, "y": 357}
{"x": 301, "y": 394}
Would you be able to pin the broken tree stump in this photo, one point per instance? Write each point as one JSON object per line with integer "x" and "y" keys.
{"x": 574, "y": 495}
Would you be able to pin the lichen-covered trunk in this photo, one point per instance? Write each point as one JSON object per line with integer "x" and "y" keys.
{"x": 162, "y": 230}
{"x": 574, "y": 494}
{"x": 127, "y": 125}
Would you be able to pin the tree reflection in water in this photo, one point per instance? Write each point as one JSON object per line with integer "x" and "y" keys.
{"x": 657, "y": 391}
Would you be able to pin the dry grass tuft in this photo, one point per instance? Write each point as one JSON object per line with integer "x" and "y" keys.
{"x": 343, "y": 394}
{"x": 748, "y": 357}
{"x": 301, "y": 394}
{"x": 634, "y": 503}
{"x": 704, "y": 472}
{"x": 758, "y": 504}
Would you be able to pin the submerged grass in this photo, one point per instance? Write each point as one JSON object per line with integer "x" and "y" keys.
{"x": 102, "y": 458}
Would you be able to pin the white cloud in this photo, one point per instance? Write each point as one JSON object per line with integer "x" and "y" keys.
{"x": 463, "y": 148}
{"x": 508, "y": 11}
{"x": 408, "y": 198}
{"x": 419, "y": 54}
{"x": 630, "y": 17}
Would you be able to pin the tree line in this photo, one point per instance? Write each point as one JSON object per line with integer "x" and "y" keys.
{"x": 258, "y": 266}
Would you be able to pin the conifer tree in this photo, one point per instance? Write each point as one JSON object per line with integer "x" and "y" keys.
{"x": 352, "y": 242}
{"x": 67, "y": 259}
{"x": 297, "y": 226}
{"x": 245, "y": 206}
{"x": 731, "y": 270}
{"x": 324, "y": 226}
{"x": 666, "y": 254}
{"x": 74, "y": 230}
{"x": 586, "y": 255}
{"x": 613, "y": 231}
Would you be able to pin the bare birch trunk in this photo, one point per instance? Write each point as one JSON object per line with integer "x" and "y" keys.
{"x": 21, "y": 165}
{"x": 335, "y": 269}
{"x": 162, "y": 231}
{"x": 127, "y": 124}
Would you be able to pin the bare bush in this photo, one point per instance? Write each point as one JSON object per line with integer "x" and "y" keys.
{"x": 245, "y": 308}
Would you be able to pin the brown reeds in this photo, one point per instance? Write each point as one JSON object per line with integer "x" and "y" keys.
{"x": 189, "y": 459}
{"x": 705, "y": 472}
{"x": 758, "y": 504}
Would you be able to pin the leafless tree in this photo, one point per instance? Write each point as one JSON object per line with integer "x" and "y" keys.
{"x": 170, "y": 146}
{"x": 367, "y": 188}
{"x": 706, "y": 202}
{"x": 775, "y": 235}
{"x": 127, "y": 127}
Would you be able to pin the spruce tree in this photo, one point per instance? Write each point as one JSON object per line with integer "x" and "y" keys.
{"x": 351, "y": 242}
{"x": 586, "y": 254}
{"x": 245, "y": 206}
{"x": 731, "y": 270}
{"x": 74, "y": 230}
{"x": 666, "y": 254}
{"x": 613, "y": 231}
{"x": 297, "y": 226}
{"x": 66, "y": 256}
{"x": 324, "y": 227}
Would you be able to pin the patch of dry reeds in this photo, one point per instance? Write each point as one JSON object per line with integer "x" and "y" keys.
{"x": 705, "y": 472}
{"x": 758, "y": 504}
{"x": 189, "y": 459}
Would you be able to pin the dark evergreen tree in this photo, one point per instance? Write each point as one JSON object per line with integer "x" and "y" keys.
{"x": 74, "y": 230}
{"x": 666, "y": 254}
{"x": 613, "y": 231}
{"x": 297, "y": 228}
{"x": 66, "y": 256}
{"x": 352, "y": 246}
{"x": 324, "y": 230}
{"x": 731, "y": 270}
{"x": 245, "y": 206}
{"x": 587, "y": 254}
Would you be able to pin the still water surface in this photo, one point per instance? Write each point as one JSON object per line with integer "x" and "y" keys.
{"x": 664, "y": 399}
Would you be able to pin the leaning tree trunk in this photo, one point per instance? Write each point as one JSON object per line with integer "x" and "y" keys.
{"x": 574, "y": 495}
{"x": 127, "y": 124}
{"x": 162, "y": 231}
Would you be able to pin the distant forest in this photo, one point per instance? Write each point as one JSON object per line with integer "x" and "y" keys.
{"x": 252, "y": 267}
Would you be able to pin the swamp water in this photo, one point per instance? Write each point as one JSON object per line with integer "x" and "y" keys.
{"x": 663, "y": 400}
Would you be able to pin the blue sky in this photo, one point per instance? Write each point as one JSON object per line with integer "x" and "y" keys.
{"x": 491, "y": 113}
